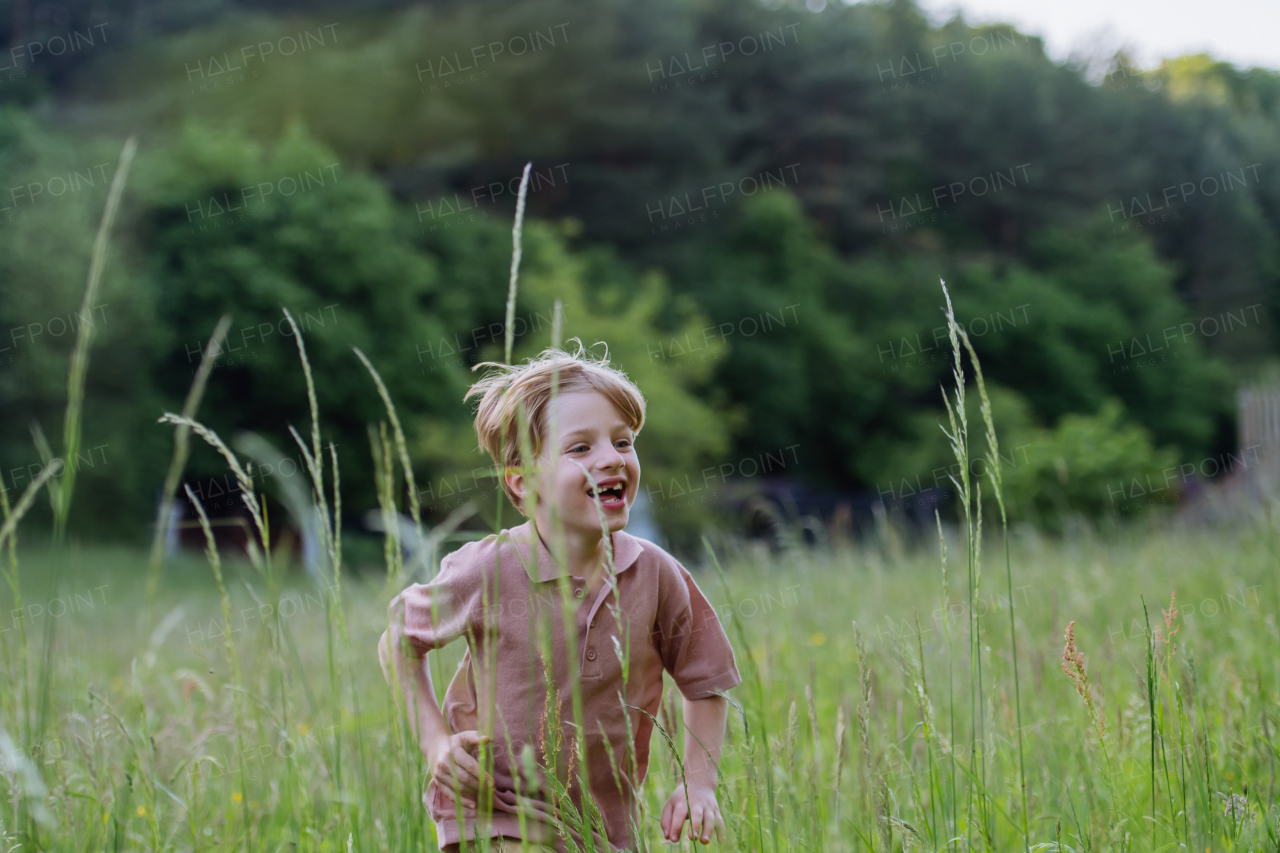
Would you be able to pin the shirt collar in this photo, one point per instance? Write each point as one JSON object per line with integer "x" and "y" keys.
{"x": 626, "y": 549}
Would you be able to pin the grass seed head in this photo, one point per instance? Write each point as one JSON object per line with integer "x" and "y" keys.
{"x": 1073, "y": 666}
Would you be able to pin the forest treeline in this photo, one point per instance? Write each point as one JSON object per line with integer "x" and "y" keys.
{"x": 752, "y": 204}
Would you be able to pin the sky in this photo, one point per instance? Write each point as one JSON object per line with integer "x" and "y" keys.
{"x": 1243, "y": 32}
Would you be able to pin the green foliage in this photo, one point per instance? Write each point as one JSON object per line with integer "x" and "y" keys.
{"x": 1090, "y": 465}
{"x": 849, "y": 382}
{"x": 853, "y": 374}
{"x": 224, "y": 225}
{"x": 1102, "y": 319}
{"x": 235, "y": 228}
{"x": 775, "y": 295}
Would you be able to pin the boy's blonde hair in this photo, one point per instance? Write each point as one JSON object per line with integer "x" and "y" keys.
{"x": 508, "y": 389}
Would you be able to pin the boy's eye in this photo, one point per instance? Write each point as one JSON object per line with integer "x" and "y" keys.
{"x": 578, "y": 448}
{"x": 622, "y": 443}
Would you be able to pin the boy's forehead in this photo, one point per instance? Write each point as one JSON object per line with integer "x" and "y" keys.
{"x": 585, "y": 409}
{"x": 585, "y": 404}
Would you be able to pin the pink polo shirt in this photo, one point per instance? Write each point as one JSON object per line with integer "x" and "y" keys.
{"x": 663, "y": 623}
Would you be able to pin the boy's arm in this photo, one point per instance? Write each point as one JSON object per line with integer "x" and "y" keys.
{"x": 413, "y": 678}
{"x": 449, "y": 755}
{"x": 697, "y": 653}
{"x": 704, "y": 723}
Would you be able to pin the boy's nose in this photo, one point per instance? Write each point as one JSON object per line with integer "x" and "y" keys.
{"x": 612, "y": 459}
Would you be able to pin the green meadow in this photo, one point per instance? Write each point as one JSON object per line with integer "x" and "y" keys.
{"x": 877, "y": 737}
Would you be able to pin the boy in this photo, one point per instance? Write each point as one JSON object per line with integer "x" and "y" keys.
{"x": 556, "y": 601}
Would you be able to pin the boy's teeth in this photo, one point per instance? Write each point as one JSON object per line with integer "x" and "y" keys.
{"x": 611, "y": 492}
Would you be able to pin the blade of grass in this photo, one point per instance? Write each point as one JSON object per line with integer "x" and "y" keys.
{"x": 402, "y": 447}
{"x": 13, "y": 516}
{"x": 517, "y": 251}
{"x": 995, "y": 472}
{"x": 181, "y": 449}
{"x": 71, "y": 426}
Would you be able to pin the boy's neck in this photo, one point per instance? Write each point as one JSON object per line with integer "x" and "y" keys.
{"x": 581, "y": 552}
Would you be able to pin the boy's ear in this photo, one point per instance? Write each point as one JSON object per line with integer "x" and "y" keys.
{"x": 516, "y": 482}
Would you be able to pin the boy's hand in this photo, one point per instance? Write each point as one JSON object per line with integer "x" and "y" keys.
{"x": 453, "y": 764}
{"x": 700, "y": 809}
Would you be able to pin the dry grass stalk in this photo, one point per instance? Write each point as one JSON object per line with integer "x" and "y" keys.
{"x": 1073, "y": 666}
{"x": 517, "y": 251}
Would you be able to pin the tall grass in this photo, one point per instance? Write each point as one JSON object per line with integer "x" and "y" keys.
{"x": 58, "y": 475}
{"x": 265, "y": 774}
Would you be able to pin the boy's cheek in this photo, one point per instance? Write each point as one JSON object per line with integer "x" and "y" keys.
{"x": 552, "y": 486}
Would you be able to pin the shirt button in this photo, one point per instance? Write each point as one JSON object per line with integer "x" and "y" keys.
{"x": 579, "y": 593}
{"x": 591, "y": 654}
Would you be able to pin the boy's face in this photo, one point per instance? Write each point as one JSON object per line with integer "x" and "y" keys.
{"x": 593, "y": 435}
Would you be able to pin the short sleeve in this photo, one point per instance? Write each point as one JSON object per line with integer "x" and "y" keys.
{"x": 428, "y": 616}
{"x": 691, "y": 641}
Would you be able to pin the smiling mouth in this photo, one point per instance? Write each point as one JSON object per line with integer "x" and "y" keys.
{"x": 613, "y": 495}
